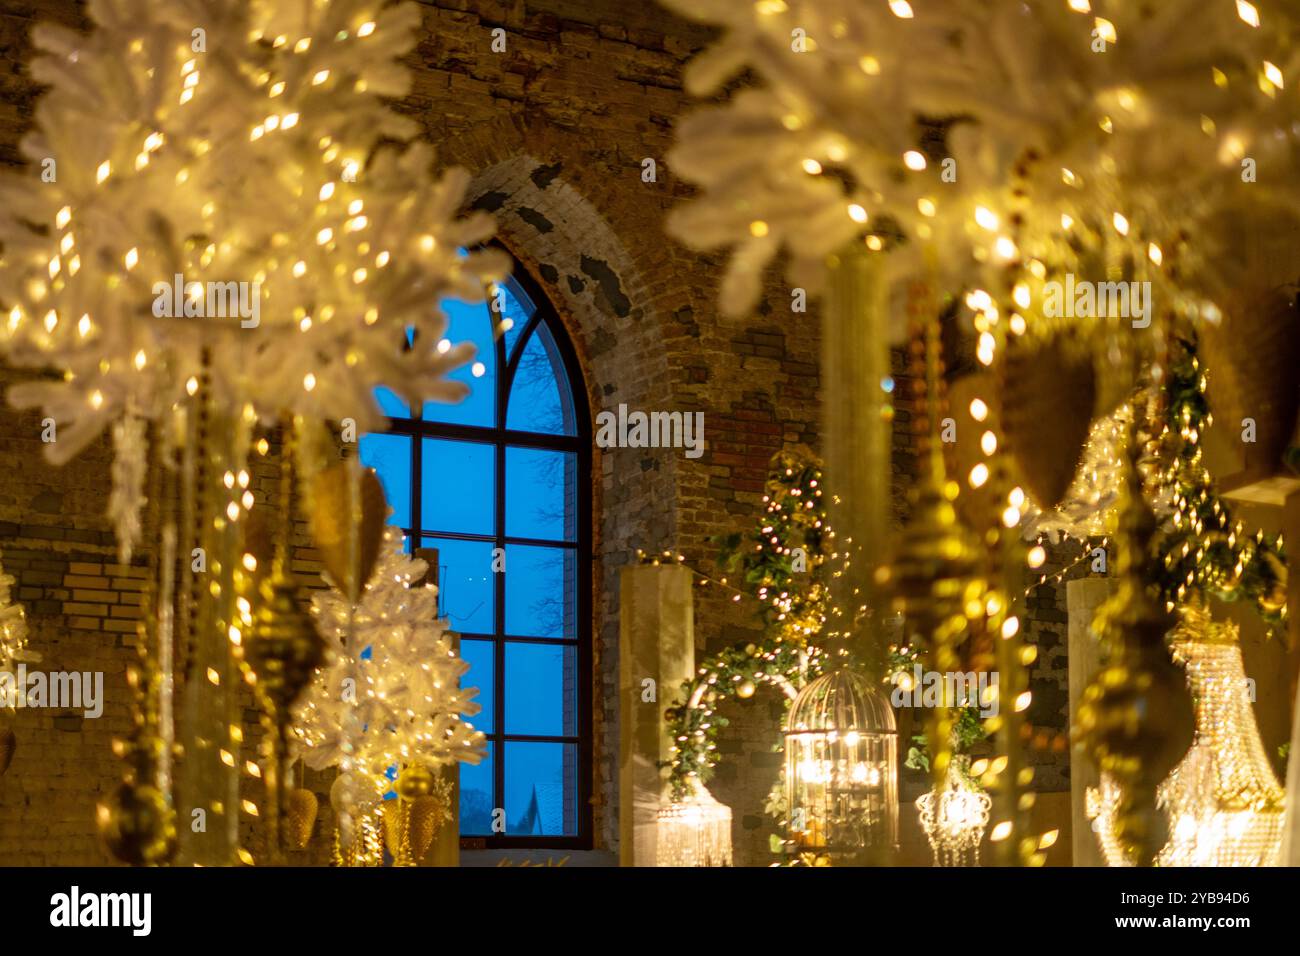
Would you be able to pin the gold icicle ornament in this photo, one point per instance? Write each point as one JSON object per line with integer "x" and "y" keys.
{"x": 1135, "y": 720}
{"x": 284, "y": 650}
{"x": 934, "y": 573}
{"x": 428, "y": 814}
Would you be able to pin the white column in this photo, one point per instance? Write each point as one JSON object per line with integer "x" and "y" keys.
{"x": 1083, "y": 596}
{"x": 656, "y": 644}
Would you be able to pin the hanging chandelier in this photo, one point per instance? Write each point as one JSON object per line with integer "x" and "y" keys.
{"x": 1224, "y": 804}
{"x": 954, "y": 817}
{"x": 694, "y": 831}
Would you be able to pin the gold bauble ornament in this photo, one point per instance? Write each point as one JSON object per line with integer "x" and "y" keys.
{"x": 336, "y": 518}
{"x": 138, "y": 825}
{"x": 415, "y": 781}
{"x": 745, "y": 689}
{"x": 285, "y": 648}
{"x": 8, "y": 744}
{"x": 1274, "y": 599}
{"x": 302, "y": 810}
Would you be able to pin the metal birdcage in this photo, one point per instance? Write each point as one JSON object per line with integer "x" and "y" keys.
{"x": 841, "y": 753}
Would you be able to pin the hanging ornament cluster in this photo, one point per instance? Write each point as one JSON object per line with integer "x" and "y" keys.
{"x": 1049, "y": 138}
{"x": 1135, "y": 719}
{"x": 236, "y": 201}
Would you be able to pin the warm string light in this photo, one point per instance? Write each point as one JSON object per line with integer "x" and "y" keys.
{"x": 793, "y": 603}
{"x": 1057, "y": 576}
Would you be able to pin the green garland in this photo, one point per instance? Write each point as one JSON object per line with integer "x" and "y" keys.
{"x": 1202, "y": 550}
{"x": 782, "y": 564}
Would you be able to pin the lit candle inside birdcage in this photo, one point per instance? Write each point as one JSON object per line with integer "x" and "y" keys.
{"x": 841, "y": 748}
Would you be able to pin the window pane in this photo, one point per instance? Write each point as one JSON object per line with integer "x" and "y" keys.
{"x": 393, "y": 406}
{"x": 541, "y": 789}
{"x": 465, "y": 592}
{"x": 541, "y": 488}
{"x": 469, "y": 323}
{"x": 539, "y": 394}
{"x": 390, "y": 456}
{"x": 518, "y": 310}
{"x": 541, "y": 689}
{"x": 458, "y": 492}
{"x": 476, "y": 800}
{"x": 479, "y": 656}
{"x": 540, "y": 591}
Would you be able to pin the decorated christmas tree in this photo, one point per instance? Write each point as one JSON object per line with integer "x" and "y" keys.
{"x": 1204, "y": 551}
{"x": 391, "y": 698}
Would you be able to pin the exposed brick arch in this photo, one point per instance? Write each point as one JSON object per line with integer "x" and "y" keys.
{"x": 578, "y": 242}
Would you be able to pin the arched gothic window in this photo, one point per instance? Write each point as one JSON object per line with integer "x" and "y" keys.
{"x": 500, "y": 485}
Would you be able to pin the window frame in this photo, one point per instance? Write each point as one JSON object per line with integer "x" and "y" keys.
{"x": 501, "y": 438}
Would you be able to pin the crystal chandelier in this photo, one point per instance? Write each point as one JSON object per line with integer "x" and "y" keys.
{"x": 1224, "y": 804}
{"x": 841, "y": 752}
{"x": 695, "y": 831}
{"x": 954, "y": 817}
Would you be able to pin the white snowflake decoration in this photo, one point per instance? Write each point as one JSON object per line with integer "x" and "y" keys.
{"x": 244, "y": 146}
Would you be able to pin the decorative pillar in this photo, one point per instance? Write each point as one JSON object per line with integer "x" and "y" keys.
{"x": 1083, "y": 597}
{"x": 656, "y": 644}
{"x": 856, "y": 439}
